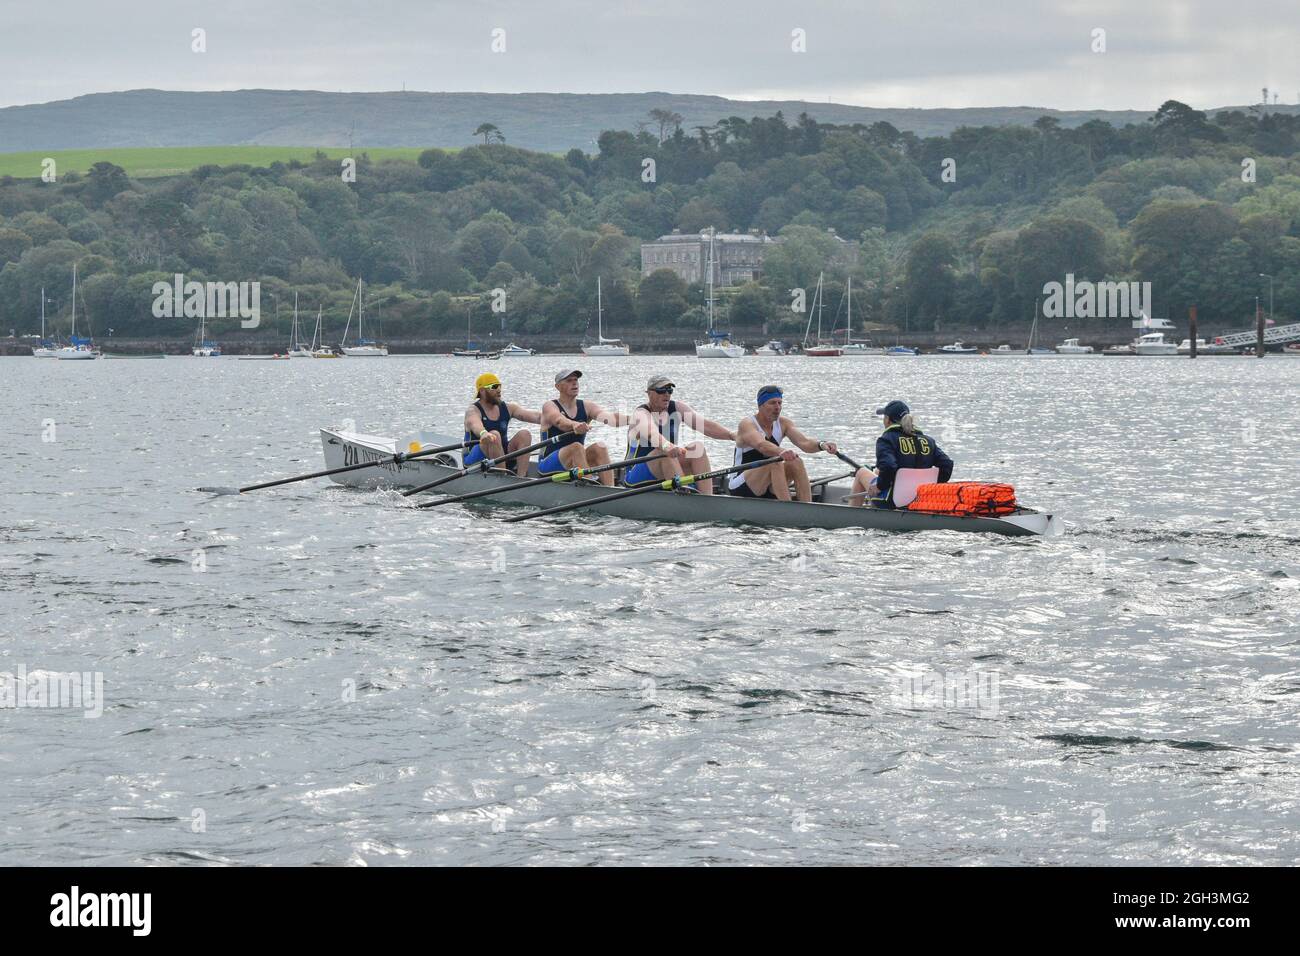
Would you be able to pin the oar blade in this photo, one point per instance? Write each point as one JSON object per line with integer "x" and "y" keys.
{"x": 218, "y": 492}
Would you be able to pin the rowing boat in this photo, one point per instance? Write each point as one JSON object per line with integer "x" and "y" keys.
{"x": 349, "y": 448}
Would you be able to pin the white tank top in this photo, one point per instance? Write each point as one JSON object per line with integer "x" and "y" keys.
{"x": 742, "y": 450}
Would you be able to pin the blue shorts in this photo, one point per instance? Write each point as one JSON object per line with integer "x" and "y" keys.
{"x": 639, "y": 474}
{"x": 551, "y": 464}
{"x": 472, "y": 457}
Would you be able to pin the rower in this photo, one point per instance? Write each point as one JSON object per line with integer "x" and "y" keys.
{"x": 568, "y": 418}
{"x": 759, "y": 437}
{"x": 902, "y": 445}
{"x": 488, "y": 419}
{"x": 656, "y": 426}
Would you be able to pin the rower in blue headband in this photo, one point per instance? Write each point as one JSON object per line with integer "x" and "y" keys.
{"x": 760, "y": 436}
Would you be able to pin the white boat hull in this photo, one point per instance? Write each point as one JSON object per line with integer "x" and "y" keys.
{"x": 347, "y": 448}
{"x": 606, "y": 351}
{"x": 719, "y": 351}
{"x": 76, "y": 355}
{"x": 366, "y": 351}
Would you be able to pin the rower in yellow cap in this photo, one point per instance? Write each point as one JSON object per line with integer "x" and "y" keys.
{"x": 488, "y": 419}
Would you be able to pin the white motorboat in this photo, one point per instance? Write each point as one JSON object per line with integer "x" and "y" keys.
{"x": 958, "y": 348}
{"x": 897, "y": 351}
{"x": 1153, "y": 343}
{"x": 515, "y": 351}
{"x": 1008, "y": 350}
{"x": 773, "y": 347}
{"x": 603, "y": 347}
{"x": 1204, "y": 348}
{"x": 365, "y": 348}
{"x": 1072, "y": 347}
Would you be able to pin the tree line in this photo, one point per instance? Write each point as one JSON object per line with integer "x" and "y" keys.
{"x": 957, "y": 231}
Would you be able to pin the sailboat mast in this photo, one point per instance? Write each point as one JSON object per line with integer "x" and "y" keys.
{"x": 848, "y": 335}
{"x": 42, "y": 314}
{"x": 600, "y": 314}
{"x": 74, "y": 300}
{"x": 712, "y": 232}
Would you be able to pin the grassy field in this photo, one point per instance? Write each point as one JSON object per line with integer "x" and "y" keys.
{"x": 145, "y": 163}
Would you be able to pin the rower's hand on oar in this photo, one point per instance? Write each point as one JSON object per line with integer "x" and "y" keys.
{"x": 675, "y": 451}
{"x": 788, "y": 455}
{"x": 581, "y": 428}
{"x": 830, "y": 447}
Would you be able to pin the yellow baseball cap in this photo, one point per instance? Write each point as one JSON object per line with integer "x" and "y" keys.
{"x": 486, "y": 380}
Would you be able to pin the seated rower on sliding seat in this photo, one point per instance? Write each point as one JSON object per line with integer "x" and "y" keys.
{"x": 488, "y": 419}
{"x": 656, "y": 426}
{"x": 567, "y": 419}
{"x": 759, "y": 437}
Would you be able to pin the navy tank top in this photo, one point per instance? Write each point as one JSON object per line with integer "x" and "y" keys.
{"x": 569, "y": 438}
{"x": 498, "y": 425}
{"x": 674, "y": 419}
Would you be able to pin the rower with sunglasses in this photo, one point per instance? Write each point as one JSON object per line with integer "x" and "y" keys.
{"x": 656, "y": 426}
{"x": 487, "y": 421}
{"x": 759, "y": 437}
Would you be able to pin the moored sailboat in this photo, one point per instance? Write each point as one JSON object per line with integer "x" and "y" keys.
{"x": 603, "y": 347}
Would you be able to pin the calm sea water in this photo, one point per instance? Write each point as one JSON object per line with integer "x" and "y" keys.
{"x": 321, "y": 675}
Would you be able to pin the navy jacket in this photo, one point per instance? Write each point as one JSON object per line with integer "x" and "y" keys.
{"x": 894, "y": 450}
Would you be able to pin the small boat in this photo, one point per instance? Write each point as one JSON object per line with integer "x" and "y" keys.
{"x": 825, "y": 511}
{"x": 1153, "y": 344}
{"x": 1008, "y": 350}
{"x": 318, "y": 347}
{"x": 958, "y": 348}
{"x": 773, "y": 347}
{"x": 1072, "y": 347}
{"x": 902, "y": 350}
{"x": 44, "y": 348}
{"x": 77, "y": 349}
{"x": 603, "y": 347}
{"x": 1029, "y": 349}
{"x": 1292, "y": 349}
{"x": 852, "y": 349}
{"x": 365, "y": 348}
{"x": 820, "y": 348}
{"x": 1118, "y": 350}
{"x": 515, "y": 351}
{"x": 1204, "y": 348}
{"x": 717, "y": 344}
{"x": 203, "y": 346}
{"x": 296, "y": 348}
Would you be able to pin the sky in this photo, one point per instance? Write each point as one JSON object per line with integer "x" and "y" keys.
{"x": 885, "y": 53}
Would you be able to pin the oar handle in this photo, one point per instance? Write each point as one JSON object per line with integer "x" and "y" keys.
{"x": 399, "y": 457}
{"x": 667, "y": 485}
{"x": 848, "y": 461}
{"x": 572, "y": 474}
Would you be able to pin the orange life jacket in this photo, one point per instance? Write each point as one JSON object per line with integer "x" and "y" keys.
{"x": 966, "y": 498}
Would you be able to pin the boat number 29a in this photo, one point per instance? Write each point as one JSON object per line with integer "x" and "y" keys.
{"x": 908, "y": 445}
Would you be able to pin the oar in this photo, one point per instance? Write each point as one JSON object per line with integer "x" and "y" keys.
{"x": 573, "y": 474}
{"x": 401, "y": 456}
{"x": 670, "y": 484}
{"x": 828, "y": 480}
{"x": 848, "y": 461}
{"x": 483, "y": 465}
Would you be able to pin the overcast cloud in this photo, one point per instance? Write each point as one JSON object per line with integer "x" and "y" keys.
{"x": 897, "y": 53}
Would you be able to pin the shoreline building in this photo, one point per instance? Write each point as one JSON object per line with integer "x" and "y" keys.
{"x": 737, "y": 256}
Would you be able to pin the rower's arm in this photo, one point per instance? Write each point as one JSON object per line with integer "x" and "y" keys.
{"x": 525, "y": 414}
{"x": 474, "y": 422}
{"x": 600, "y": 414}
{"x": 799, "y": 439}
{"x": 705, "y": 426}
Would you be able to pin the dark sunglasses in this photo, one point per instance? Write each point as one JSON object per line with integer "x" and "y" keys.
{"x": 494, "y": 388}
{"x": 663, "y": 391}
